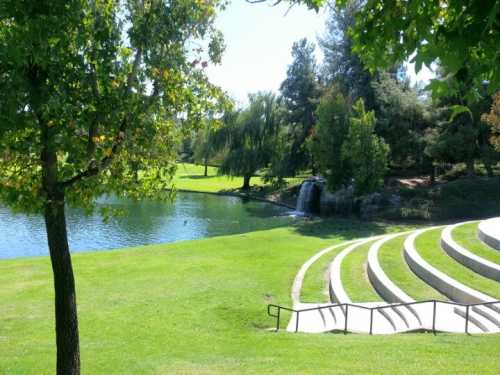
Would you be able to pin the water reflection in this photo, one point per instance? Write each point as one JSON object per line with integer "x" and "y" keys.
{"x": 190, "y": 216}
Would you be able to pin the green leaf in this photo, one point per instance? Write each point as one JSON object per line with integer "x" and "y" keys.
{"x": 457, "y": 110}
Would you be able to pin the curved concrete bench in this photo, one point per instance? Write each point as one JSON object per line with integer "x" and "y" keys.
{"x": 480, "y": 265}
{"x": 389, "y": 291}
{"x": 450, "y": 287}
{"x": 299, "y": 278}
{"x": 337, "y": 291}
{"x": 384, "y": 286}
{"x": 488, "y": 231}
{"x": 339, "y": 295}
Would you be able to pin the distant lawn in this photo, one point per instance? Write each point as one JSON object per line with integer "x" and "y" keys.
{"x": 395, "y": 267}
{"x": 466, "y": 236}
{"x": 427, "y": 245}
{"x": 190, "y": 177}
{"x": 199, "y": 307}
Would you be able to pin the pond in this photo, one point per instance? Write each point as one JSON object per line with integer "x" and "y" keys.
{"x": 189, "y": 216}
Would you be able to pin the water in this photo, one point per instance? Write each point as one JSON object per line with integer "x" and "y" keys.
{"x": 305, "y": 198}
{"x": 190, "y": 216}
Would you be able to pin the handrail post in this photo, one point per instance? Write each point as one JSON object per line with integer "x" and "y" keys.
{"x": 297, "y": 322}
{"x": 434, "y": 318}
{"x": 467, "y": 319}
{"x": 371, "y": 321}
{"x": 278, "y": 319}
{"x": 345, "y": 324}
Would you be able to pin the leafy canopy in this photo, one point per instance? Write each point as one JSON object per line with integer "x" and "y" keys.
{"x": 461, "y": 35}
{"x": 364, "y": 151}
{"x": 330, "y": 134}
{"x": 106, "y": 85}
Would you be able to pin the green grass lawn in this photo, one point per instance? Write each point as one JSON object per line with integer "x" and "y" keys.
{"x": 315, "y": 283}
{"x": 199, "y": 307}
{"x": 354, "y": 277}
{"x": 190, "y": 177}
{"x": 427, "y": 244}
{"x": 466, "y": 236}
{"x": 391, "y": 260}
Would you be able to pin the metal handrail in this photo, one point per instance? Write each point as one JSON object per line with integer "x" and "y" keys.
{"x": 375, "y": 308}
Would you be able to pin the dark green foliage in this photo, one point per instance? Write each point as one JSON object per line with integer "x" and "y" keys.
{"x": 330, "y": 133}
{"x": 462, "y": 35}
{"x": 341, "y": 64}
{"x": 300, "y": 92}
{"x": 461, "y": 135}
{"x": 402, "y": 118}
{"x": 364, "y": 151}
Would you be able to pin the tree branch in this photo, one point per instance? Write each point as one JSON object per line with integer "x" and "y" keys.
{"x": 93, "y": 127}
{"x": 94, "y": 167}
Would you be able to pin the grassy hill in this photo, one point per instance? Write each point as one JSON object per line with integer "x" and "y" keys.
{"x": 199, "y": 307}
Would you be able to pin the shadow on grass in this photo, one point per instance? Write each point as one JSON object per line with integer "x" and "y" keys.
{"x": 346, "y": 229}
{"x": 195, "y": 177}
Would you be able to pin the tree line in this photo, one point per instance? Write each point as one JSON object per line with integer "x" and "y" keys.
{"x": 352, "y": 124}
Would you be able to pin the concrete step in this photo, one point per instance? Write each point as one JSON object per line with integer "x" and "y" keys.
{"x": 450, "y": 287}
{"x": 470, "y": 260}
{"x": 488, "y": 231}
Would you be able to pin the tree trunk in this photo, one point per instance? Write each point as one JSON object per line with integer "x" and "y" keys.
{"x": 487, "y": 166}
{"x": 205, "y": 173}
{"x": 68, "y": 352}
{"x": 470, "y": 167}
{"x": 246, "y": 182}
{"x": 433, "y": 175}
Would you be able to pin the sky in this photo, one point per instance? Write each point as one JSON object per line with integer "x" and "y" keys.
{"x": 259, "y": 40}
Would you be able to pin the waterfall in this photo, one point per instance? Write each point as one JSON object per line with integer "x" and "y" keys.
{"x": 306, "y": 197}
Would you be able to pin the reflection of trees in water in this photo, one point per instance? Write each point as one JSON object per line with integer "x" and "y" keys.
{"x": 142, "y": 219}
{"x": 190, "y": 216}
{"x": 230, "y": 215}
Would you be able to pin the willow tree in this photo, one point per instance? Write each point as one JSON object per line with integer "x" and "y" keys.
{"x": 88, "y": 89}
{"x": 249, "y": 136}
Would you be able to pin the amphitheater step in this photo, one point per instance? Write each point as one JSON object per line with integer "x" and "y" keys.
{"x": 385, "y": 284}
{"x": 446, "y": 278}
{"x": 466, "y": 236}
{"x": 489, "y": 232}
{"x": 465, "y": 257}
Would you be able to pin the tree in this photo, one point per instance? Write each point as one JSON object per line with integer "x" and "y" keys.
{"x": 300, "y": 92}
{"x": 330, "y": 134}
{"x": 341, "y": 65}
{"x": 461, "y": 136}
{"x": 462, "y": 35}
{"x": 365, "y": 152}
{"x": 85, "y": 88}
{"x": 250, "y": 138}
{"x": 492, "y": 118}
{"x": 402, "y": 118}
{"x": 205, "y": 143}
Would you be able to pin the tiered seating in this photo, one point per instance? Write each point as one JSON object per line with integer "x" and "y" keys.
{"x": 426, "y": 264}
{"x": 489, "y": 232}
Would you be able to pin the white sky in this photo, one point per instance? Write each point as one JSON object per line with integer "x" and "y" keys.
{"x": 259, "y": 40}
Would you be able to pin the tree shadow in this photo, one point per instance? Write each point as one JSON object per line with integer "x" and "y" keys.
{"x": 194, "y": 177}
{"x": 342, "y": 228}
